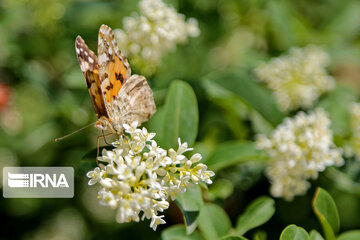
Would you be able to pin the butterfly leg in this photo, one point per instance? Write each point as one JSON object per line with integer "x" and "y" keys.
{"x": 98, "y": 144}
{"x": 105, "y": 137}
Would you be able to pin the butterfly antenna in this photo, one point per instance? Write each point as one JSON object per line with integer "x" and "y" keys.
{"x": 68, "y": 135}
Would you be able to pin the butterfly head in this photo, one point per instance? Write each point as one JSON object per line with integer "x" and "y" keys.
{"x": 103, "y": 123}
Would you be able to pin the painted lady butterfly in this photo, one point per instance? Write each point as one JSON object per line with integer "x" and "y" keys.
{"x": 117, "y": 96}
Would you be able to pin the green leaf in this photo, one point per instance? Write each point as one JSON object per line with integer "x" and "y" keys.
{"x": 253, "y": 94}
{"x": 181, "y": 115}
{"x": 293, "y": 232}
{"x": 277, "y": 13}
{"x": 178, "y": 232}
{"x": 225, "y": 98}
{"x": 159, "y": 96}
{"x": 235, "y": 110}
{"x": 314, "y": 235}
{"x": 344, "y": 181}
{"x": 83, "y": 167}
{"x": 221, "y": 188}
{"x": 190, "y": 204}
{"x": 326, "y": 211}
{"x": 260, "y": 125}
{"x": 155, "y": 124}
{"x": 260, "y": 235}
{"x": 214, "y": 223}
{"x": 233, "y": 237}
{"x": 346, "y": 22}
{"x": 350, "y": 235}
{"x": 256, "y": 214}
{"x": 234, "y": 152}
{"x": 337, "y": 103}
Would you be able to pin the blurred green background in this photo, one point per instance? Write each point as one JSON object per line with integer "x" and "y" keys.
{"x": 43, "y": 95}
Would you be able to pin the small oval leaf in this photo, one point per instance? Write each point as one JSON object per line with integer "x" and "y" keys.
{"x": 314, "y": 235}
{"x": 256, "y": 214}
{"x": 190, "y": 204}
{"x": 326, "y": 211}
{"x": 293, "y": 232}
{"x": 260, "y": 235}
{"x": 180, "y": 116}
{"x": 214, "y": 223}
{"x": 350, "y": 235}
{"x": 177, "y": 232}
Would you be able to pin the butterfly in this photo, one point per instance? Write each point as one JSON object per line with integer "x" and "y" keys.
{"x": 117, "y": 96}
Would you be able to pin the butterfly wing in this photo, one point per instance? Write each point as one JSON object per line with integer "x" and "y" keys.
{"x": 89, "y": 67}
{"x": 114, "y": 69}
{"x": 134, "y": 102}
{"x": 127, "y": 98}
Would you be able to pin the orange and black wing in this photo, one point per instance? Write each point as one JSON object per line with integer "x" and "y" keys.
{"x": 90, "y": 68}
{"x": 114, "y": 69}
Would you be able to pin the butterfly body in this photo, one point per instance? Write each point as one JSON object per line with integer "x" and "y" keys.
{"x": 117, "y": 96}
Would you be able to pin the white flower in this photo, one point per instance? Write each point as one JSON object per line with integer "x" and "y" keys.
{"x": 155, "y": 221}
{"x": 299, "y": 148}
{"x": 298, "y": 79}
{"x": 148, "y": 36}
{"x": 94, "y": 175}
{"x": 106, "y": 198}
{"x": 139, "y": 176}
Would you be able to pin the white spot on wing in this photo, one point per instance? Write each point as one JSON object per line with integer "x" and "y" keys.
{"x": 105, "y": 83}
{"x": 105, "y": 31}
{"x": 103, "y": 58}
{"x": 132, "y": 101}
{"x": 84, "y": 66}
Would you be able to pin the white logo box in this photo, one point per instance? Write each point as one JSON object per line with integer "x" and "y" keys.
{"x": 38, "y": 182}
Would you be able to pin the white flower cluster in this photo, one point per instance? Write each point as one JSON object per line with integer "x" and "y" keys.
{"x": 298, "y": 149}
{"x": 355, "y": 128}
{"x": 298, "y": 79}
{"x": 139, "y": 176}
{"x": 146, "y": 37}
